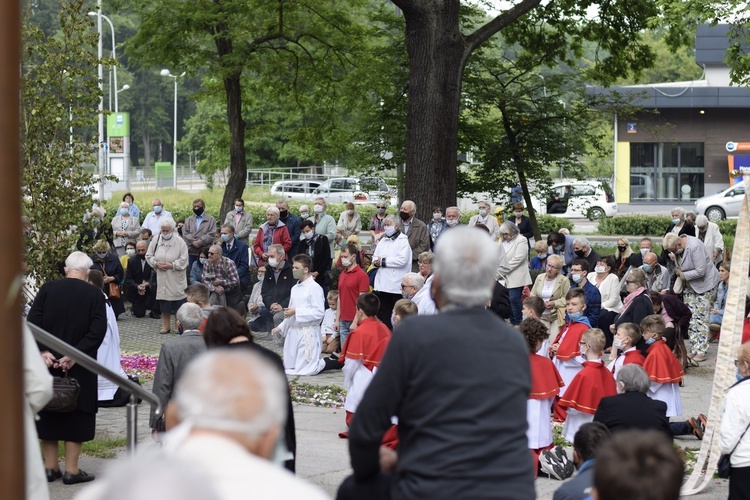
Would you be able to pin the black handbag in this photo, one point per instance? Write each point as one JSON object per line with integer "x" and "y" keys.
{"x": 65, "y": 391}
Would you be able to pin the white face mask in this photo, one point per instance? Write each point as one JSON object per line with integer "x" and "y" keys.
{"x": 167, "y": 236}
{"x": 389, "y": 230}
{"x": 130, "y": 251}
{"x": 273, "y": 262}
{"x": 346, "y": 262}
{"x": 618, "y": 344}
{"x": 599, "y": 269}
{"x": 644, "y": 251}
{"x": 437, "y": 216}
{"x": 350, "y": 212}
{"x": 318, "y": 209}
{"x": 518, "y": 214}
{"x": 309, "y": 235}
{"x": 451, "y": 222}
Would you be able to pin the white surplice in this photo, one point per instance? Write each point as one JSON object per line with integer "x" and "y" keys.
{"x": 670, "y": 394}
{"x": 108, "y": 355}
{"x": 302, "y": 330}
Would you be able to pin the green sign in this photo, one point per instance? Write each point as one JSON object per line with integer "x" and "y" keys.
{"x": 163, "y": 170}
{"x": 118, "y": 124}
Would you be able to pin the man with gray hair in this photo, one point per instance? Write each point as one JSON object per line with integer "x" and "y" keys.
{"x": 583, "y": 250}
{"x": 452, "y": 217}
{"x": 221, "y": 277}
{"x": 176, "y": 353}
{"x": 447, "y": 394}
{"x": 416, "y": 231}
{"x": 231, "y": 406}
{"x": 710, "y": 235}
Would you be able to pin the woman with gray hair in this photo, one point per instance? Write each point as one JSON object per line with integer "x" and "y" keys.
{"x": 324, "y": 223}
{"x": 125, "y": 227}
{"x": 271, "y": 232}
{"x": 486, "y": 219}
{"x": 168, "y": 256}
{"x": 513, "y": 267}
{"x": 699, "y": 277}
{"x": 632, "y": 408}
{"x": 637, "y": 305}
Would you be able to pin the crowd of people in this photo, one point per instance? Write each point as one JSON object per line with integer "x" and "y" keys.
{"x": 561, "y": 334}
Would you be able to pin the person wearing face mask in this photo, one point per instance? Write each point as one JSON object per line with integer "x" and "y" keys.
{"x": 241, "y": 220}
{"x": 301, "y": 326}
{"x": 522, "y": 222}
{"x": 349, "y": 224}
{"x": 221, "y": 277}
{"x": 486, "y": 218}
{"x": 717, "y": 311}
{"x": 663, "y": 368}
{"x": 540, "y": 261}
{"x": 392, "y": 258}
{"x": 699, "y": 277}
{"x": 109, "y": 265}
{"x": 140, "y": 283}
{"x": 416, "y": 232}
{"x": 658, "y": 277}
{"x": 353, "y": 282}
{"x": 583, "y": 250}
{"x": 623, "y": 254}
{"x": 275, "y": 291}
{"x": 452, "y": 217}
{"x": 624, "y": 350}
{"x": 133, "y": 209}
{"x": 324, "y": 223}
{"x": 609, "y": 289}
{"x": 436, "y": 226}
{"x": 636, "y": 305}
{"x": 734, "y": 438}
{"x": 125, "y": 228}
{"x": 709, "y": 233}
{"x": 233, "y": 248}
{"x": 579, "y": 273}
{"x": 644, "y": 247}
{"x": 196, "y": 271}
{"x": 513, "y": 267}
{"x": 199, "y": 230}
{"x": 562, "y": 245}
{"x": 129, "y": 251}
{"x": 317, "y": 248}
{"x": 168, "y": 256}
{"x": 304, "y": 212}
{"x": 155, "y": 216}
{"x": 293, "y": 225}
{"x": 566, "y": 350}
{"x": 376, "y": 222}
{"x": 411, "y": 285}
{"x": 271, "y": 232}
{"x": 592, "y": 383}
{"x": 679, "y": 225}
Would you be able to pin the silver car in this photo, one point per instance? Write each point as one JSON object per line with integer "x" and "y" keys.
{"x": 721, "y": 205}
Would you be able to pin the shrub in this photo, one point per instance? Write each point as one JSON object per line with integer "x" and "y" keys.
{"x": 635, "y": 225}
{"x": 727, "y": 228}
{"x": 550, "y": 223}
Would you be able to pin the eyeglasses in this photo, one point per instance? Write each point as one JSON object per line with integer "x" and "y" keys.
{"x": 553, "y": 267}
{"x": 211, "y": 253}
{"x": 737, "y": 362}
{"x": 379, "y": 206}
{"x": 404, "y": 287}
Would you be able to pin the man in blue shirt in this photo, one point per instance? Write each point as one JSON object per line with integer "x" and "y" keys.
{"x": 589, "y": 438}
{"x": 293, "y": 224}
{"x": 578, "y": 275}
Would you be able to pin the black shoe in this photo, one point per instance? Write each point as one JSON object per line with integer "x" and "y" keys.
{"x": 333, "y": 356}
{"x": 154, "y": 316}
{"x": 81, "y": 477}
{"x": 53, "y": 474}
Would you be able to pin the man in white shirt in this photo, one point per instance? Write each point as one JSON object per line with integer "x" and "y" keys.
{"x": 155, "y": 216}
{"x": 392, "y": 257}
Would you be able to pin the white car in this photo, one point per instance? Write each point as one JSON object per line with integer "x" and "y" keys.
{"x": 578, "y": 199}
{"x": 295, "y": 190}
{"x": 362, "y": 191}
{"x": 721, "y": 205}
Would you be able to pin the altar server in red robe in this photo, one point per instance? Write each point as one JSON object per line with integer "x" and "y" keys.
{"x": 627, "y": 336}
{"x": 662, "y": 366}
{"x": 593, "y": 382}
{"x": 545, "y": 385}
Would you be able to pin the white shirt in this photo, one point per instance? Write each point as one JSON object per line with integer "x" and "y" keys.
{"x": 152, "y": 221}
{"x": 610, "y": 292}
{"x": 423, "y": 299}
{"x": 735, "y": 419}
{"x": 396, "y": 253}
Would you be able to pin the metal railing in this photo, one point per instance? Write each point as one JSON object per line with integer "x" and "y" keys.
{"x": 89, "y": 363}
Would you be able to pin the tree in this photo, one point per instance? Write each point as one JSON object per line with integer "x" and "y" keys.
{"x": 59, "y": 90}
{"x": 298, "y": 43}
{"x": 438, "y": 51}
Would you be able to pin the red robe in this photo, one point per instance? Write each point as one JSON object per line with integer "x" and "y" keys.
{"x": 569, "y": 347}
{"x": 662, "y": 365}
{"x": 367, "y": 342}
{"x": 633, "y": 356}
{"x": 746, "y": 331}
{"x": 545, "y": 379}
{"x": 588, "y": 388}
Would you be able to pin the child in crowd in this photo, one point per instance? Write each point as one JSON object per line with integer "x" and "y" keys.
{"x": 565, "y": 349}
{"x": 330, "y": 341}
{"x": 533, "y": 308}
{"x": 663, "y": 368}
{"x": 627, "y": 336}
{"x": 401, "y": 309}
{"x": 545, "y": 385}
{"x": 593, "y": 382}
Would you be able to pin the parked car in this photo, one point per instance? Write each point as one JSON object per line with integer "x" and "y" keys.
{"x": 364, "y": 190}
{"x": 297, "y": 189}
{"x": 721, "y": 205}
{"x": 578, "y": 199}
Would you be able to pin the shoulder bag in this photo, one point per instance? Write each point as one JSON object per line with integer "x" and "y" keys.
{"x": 724, "y": 467}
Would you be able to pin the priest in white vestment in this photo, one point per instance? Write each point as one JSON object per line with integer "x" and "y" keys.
{"x": 301, "y": 326}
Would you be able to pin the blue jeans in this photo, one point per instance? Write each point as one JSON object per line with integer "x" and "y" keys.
{"x": 514, "y": 294}
{"x": 344, "y": 331}
{"x": 715, "y": 318}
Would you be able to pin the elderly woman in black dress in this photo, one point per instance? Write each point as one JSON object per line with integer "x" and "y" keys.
{"x": 107, "y": 262}
{"x": 73, "y": 311}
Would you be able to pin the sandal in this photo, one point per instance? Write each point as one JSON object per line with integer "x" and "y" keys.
{"x": 164, "y": 332}
{"x": 699, "y": 358}
{"x": 693, "y": 363}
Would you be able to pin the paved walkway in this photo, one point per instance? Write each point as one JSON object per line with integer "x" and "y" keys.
{"x": 323, "y": 458}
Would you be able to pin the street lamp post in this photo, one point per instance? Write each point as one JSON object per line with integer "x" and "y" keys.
{"x": 114, "y": 54}
{"x": 166, "y": 72}
{"x": 100, "y": 76}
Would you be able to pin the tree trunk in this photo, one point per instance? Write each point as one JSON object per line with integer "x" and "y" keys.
{"x": 437, "y": 55}
{"x": 237, "y": 162}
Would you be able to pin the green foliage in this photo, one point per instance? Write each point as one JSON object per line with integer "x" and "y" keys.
{"x": 58, "y": 82}
{"x": 549, "y": 223}
{"x": 728, "y": 227}
{"x": 635, "y": 225}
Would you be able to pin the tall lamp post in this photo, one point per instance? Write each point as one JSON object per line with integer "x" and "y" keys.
{"x": 114, "y": 54}
{"x": 100, "y": 77}
{"x": 166, "y": 72}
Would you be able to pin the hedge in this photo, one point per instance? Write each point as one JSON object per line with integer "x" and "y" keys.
{"x": 635, "y": 225}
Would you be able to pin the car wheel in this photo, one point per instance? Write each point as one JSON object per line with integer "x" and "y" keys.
{"x": 596, "y": 213}
{"x": 715, "y": 214}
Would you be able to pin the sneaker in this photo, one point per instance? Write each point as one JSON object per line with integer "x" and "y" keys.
{"x": 333, "y": 356}
{"x": 695, "y": 428}
{"x": 556, "y": 464}
{"x": 703, "y": 421}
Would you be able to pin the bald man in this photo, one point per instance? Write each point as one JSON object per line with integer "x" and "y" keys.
{"x": 140, "y": 283}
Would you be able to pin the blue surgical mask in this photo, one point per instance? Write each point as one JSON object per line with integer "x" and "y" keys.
{"x": 675, "y": 221}
{"x": 558, "y": 248}
{"x": 575, "y": 316}
{"x": 576, "y": 278}
{"x": 224, "y": 237}
{"x": 180, "y": 331}
{"x": 238, "y": 208}
{"x": 483, "y": 212}
{"x": 304, "y": 215}
{"x": 157, "y": 209}
{"x": 738, "y": 376}
{"x": 203, "y": 260}
{"x": 101, "y": 255}
{"x": 542, "y": 256}
{"x": 393, "y": 320}
{"x": 646, "y": 268}
{"x": 651, "y": 341}
{"x": 124, "y": 211}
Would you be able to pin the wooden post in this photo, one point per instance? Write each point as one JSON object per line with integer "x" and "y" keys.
{"x": 12, "y": 476}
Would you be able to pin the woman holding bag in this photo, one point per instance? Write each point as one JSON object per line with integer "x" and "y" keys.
{"x": 108, "y": 263}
